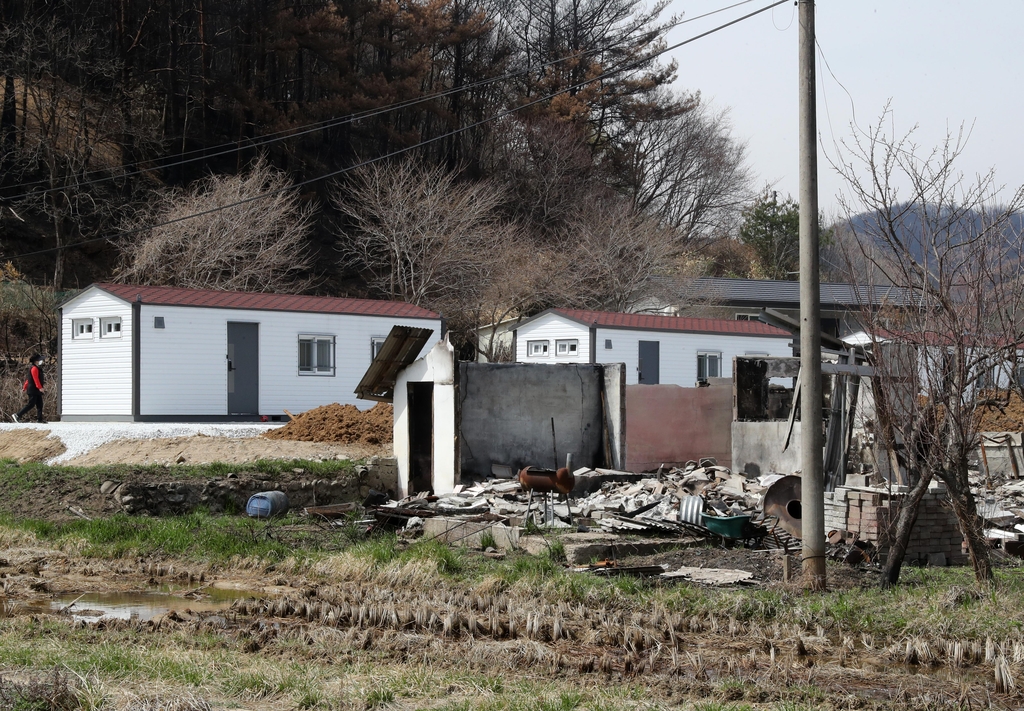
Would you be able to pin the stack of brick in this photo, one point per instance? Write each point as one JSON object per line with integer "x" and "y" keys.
{"x": 871, "y": 514}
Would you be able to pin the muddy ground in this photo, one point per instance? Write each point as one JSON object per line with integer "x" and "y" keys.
{"x": 342, "y": 618}
{"x": 62, "y": 495}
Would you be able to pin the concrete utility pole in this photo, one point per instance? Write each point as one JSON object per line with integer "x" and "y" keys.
{"x": 812, "y": 491}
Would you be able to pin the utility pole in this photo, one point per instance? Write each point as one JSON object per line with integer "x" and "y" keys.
{"x": 812, "y": 489}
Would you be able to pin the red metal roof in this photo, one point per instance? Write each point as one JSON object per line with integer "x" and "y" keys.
{"x": 648, "y": 322}
{"x": 173, "y": 296}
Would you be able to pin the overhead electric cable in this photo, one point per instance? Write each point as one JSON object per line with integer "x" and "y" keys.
{"x": 401, "y": 151}
{"x": 202, "y": 154}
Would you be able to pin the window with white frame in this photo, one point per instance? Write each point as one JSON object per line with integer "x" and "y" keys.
{"x": 567, "y": 347}
{"x": 316, "y": 355}
{"x": 709, "y": 365}
{"x": 375, "y": 345}
{"x": 745, "y": 317}
{"x": 81, "y": 328}
{"x": 110, "y": 327}
{"x": 537, "y": 349}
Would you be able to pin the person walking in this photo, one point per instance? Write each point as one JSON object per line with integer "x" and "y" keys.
{"x": 34, "y": 387}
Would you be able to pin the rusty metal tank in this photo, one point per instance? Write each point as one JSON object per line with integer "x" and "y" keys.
{"x": 547, "y": 480}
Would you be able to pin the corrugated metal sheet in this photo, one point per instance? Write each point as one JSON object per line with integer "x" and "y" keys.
{"x": 648, "y": 322}
{"x": 401, "y": 348}
{"x": 173, "y": 296}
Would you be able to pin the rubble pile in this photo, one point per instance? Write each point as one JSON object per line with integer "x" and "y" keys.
{"x": 658, "y": 504}
{"x": 674, "y": 502}
{"x": 1001, "y": 507}
{"x": 345, "y": 424}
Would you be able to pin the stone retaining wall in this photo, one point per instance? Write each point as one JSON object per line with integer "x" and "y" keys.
{"x": 230, "y": 494}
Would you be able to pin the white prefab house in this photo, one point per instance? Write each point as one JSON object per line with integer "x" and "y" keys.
{"x": 151, "y": 353}
{"x": 670, "y": 350}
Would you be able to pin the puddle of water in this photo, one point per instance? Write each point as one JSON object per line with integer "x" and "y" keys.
{"x": 143, "y": 605}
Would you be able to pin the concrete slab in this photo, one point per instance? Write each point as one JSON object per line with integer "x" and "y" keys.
{"x": 583, "y": 548}
{"x": 470, "y": 533}
{"x": 712, "y": 576}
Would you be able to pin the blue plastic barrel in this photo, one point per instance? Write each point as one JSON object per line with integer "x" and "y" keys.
{"x": 267, "y": 504}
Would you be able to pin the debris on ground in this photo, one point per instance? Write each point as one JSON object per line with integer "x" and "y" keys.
{"x": 713, "y": 576}
{"x": 700, "y": 501}
{"x": 340, "y": 423}
{"x": 1000, "y": 504}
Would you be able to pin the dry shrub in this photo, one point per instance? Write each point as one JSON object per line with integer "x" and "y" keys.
{"x": 250, "y": 233}
{"x": 54, "y": 692}
{"x": 957, "y": 596}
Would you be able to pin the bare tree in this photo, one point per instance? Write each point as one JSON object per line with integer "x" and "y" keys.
{"x": 419, "y": 235}
{"x": 250, "y": 234}
{"x": 618, "y": 259}
{"x": 686, "y": 169}
{"x": 547, "y": 169}
{"x": 943, "y": 239}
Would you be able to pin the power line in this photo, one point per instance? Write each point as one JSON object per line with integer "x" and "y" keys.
{"x": 202, "y": 154}
{"x": 341, "y": 171}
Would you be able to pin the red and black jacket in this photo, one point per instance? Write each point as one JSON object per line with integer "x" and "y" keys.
{"x": 35, "y": 380}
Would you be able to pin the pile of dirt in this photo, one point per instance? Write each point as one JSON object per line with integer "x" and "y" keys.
{"x": 1009, "y": 419}
{"x": 340, "y": 423}
{"x": 29, "y": 445}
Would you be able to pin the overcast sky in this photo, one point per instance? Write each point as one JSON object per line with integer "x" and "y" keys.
{"x": 940, "y": 62}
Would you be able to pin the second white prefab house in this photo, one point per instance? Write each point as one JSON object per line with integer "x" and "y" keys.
{"x": 151, "y": 353}
{"x": 669, "y": 350}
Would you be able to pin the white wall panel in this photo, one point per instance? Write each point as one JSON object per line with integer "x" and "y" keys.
{"x": 552, "y": 327}
{"x": 678, "y": 351}
{"x": 96, "y": 373}
{"x": 184, "y": 365}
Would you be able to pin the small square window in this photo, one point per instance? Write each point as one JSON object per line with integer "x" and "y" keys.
{"x": 375, "y": 345}
{"x": 81, "y": 328}
{"x": 744, "y": 317}
{"x": 158, "y": 322}
{"x": 709, "y": 365}
{"x": 607, "y": 344}
{"x": 567, "y": 347}
{"x": 537, "y": 349}
{"x": 316, "y": 355}
{"x": 110, "y": 327}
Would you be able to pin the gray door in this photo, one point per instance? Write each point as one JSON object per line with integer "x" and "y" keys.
{"x": 243, "y": 368}
{"x": 649, "y": 363}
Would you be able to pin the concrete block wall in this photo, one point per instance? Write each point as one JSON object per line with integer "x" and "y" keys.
{"x": 871, "y": 514}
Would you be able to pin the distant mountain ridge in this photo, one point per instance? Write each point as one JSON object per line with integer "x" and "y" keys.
{"x": 912, "y": 227}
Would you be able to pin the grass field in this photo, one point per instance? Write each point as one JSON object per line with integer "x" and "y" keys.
{"x": 385, "y": 622}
